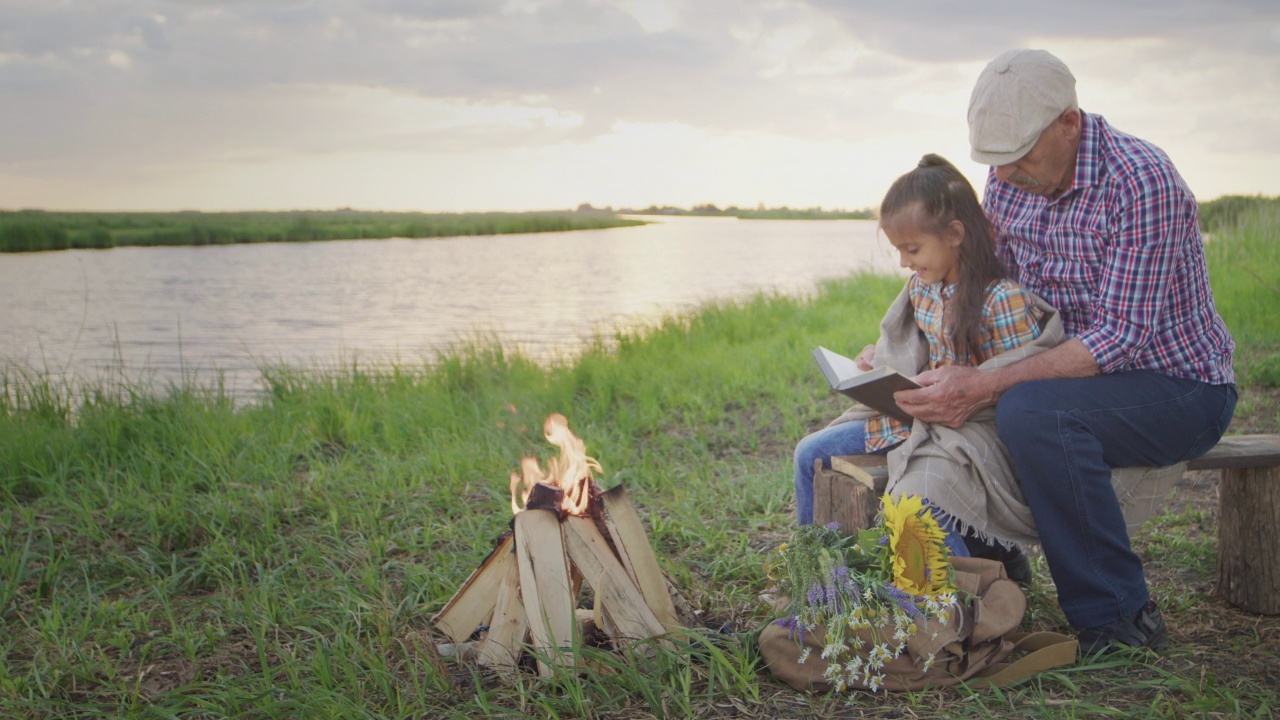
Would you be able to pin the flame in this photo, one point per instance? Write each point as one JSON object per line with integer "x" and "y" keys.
{"x": 571, "y": 472}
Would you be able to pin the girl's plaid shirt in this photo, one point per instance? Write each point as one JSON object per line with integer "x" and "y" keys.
{"x": 1009, "y": 320}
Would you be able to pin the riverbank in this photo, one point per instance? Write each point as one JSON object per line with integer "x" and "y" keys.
{"x": 37, "y": 230}
{"x": 179, "y": 555}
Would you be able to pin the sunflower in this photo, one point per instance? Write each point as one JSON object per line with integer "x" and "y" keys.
{"x": 917, "y": 547}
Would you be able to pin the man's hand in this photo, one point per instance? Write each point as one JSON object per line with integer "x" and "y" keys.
{"x": 952, "y": 393}
{"x": 950, "y": 396}
{"x": 865, "y": 358}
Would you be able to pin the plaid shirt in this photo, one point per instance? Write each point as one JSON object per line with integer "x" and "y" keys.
{"x": 1009, "y": 319}
{"x": 1121, "y": 257}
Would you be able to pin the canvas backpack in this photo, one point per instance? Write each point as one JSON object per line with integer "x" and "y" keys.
{"x": 975, "y": 644}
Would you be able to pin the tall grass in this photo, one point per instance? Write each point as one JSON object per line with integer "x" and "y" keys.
{"x": 170, "y": 553}
{"x": 33, "y": 230}
{"x": 1244, "y": 269}
{"x": 1227, "y": 211}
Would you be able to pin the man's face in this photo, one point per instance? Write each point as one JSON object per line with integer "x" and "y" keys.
{"x": 1047, "y": 169}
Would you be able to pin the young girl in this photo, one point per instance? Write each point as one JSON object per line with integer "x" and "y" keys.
{"x": 962, "y": 303}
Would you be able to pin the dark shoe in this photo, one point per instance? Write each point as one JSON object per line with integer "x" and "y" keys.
{"x": 1016, "y": 564}
{"x": 1146, "y": 630}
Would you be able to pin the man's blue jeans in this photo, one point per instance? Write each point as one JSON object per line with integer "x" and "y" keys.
{"x": 1065, "y": 436}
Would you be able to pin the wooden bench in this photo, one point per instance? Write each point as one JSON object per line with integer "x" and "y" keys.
{"x": 1248, "y": 568}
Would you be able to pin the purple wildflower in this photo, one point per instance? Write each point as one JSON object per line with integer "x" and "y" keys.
{"x": 795, "y": 628}
{"x": 841, "y": 582}
{"x": 884, "y": 541}
{"x": 848, "y": 584}
{"x": 895, "y": 592}
{"x": 833, "y": 526}
{"x": 910, "y": 608}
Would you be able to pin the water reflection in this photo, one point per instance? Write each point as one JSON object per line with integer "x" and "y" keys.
{"x": 158, "y": 311}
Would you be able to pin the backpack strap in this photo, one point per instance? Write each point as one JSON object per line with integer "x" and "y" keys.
{"x": 1044, "y": 651}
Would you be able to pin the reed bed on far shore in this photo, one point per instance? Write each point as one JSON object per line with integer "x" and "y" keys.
{"x": 36, "y": 230}
{"x": 170, "y": 553}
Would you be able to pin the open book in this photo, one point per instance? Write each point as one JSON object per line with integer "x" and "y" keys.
{"x": 873, "y": 388}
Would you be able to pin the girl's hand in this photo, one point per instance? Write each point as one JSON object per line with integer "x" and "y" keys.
{"x": 950, "y": 396}
{"x": 865, "y": 358}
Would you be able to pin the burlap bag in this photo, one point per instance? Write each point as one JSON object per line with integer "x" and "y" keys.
{"x": 974, "y": 642}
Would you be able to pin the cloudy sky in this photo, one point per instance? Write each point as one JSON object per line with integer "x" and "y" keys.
{"x": 445, "y": 105}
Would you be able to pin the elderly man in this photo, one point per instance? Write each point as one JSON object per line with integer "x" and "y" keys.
{"x": 1099, "y": 224}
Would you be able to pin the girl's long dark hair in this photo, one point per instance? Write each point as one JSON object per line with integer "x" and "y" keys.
{"x": 936, "y": 193}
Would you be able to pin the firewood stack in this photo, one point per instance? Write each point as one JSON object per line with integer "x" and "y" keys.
{"x": 526, "y": 591}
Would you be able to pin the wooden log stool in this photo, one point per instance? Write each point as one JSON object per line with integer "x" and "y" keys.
{"x": 849, "y": 491}
{"x": 1248, "y": 511}
{"x": 1248, "y": 519}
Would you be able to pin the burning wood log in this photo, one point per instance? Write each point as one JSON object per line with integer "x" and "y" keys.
{"x": 473, "y": 604}
{"x": 545, "y": 587}
{"x": 509, "y": 628}
{"x": 544, "y": 497}
{"x": 566, "y": 533}
{"x": 633, "y": 548}
{"x": 623, "y": 609}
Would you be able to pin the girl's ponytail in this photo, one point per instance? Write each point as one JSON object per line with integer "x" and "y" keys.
{"x": 938, "y": 193}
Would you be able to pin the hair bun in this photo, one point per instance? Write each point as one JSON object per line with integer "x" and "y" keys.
{"x": 932, "y": 160}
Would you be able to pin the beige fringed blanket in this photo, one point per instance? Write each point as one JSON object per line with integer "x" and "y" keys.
{"x": 967, "y": 471}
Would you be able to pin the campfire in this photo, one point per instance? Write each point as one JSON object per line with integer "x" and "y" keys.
{"x": 566, "y": 535}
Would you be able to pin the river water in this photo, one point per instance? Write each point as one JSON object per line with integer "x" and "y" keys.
{"x": 162, "y": 314}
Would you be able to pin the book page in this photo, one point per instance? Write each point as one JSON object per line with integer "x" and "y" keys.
{"x": 837, "y": 367}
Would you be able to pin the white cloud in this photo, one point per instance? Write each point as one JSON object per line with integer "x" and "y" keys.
{"x": 800, "y": 101}
{"x": 653, "y": 15}
{"x": 119, "y": 59}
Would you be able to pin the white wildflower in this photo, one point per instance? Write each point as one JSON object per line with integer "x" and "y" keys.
{"x": 880, "y": 653}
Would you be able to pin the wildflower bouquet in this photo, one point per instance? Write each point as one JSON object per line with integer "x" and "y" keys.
{"x": 871, "y": 594}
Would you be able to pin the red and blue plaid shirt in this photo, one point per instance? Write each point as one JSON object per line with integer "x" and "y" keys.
{"x": 1121, "y": 257}
{"x": 1010, "y": 319}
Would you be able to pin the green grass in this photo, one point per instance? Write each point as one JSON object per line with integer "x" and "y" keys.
{"x": 36, "y": 230}
{"x": 1244, "y": 269}
{"x": 1244, "y": 262}
{"x": 170, "y": 552}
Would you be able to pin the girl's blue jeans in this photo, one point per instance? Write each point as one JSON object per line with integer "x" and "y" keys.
{"x": 845, "y": 439}
{"x": 1065, "y": 436}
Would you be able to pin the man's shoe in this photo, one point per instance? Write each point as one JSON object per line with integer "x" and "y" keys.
{"x": 1145, "y": 630}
